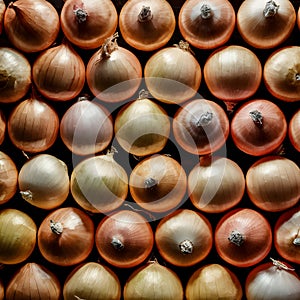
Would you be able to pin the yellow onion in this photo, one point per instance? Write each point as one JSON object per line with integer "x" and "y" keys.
{"x": 92, "y": 281}
{"x": 2, "y": 127}
{"x": 298, "y": 18}
{"x": 294, "y": 130}
{"x": 2, "y": 11}
{"x": 1, "y": 290}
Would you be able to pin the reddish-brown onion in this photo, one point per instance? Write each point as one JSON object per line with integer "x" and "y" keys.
{"x": 206, "y": 25}
{"x": 31, "y": 25}
{"x": 87, "y": 23}
{"x": 2, "y": 127}
{"x": 66, "y": 236}
{"x": 243, "y": 237}
{"x": 273, "y": 183}
{"x": 124, "y": 239}
{"x": 294, "y": 130}
{"x": 2, "y": 12}
{"x": 298, "y": 18}
{"x": 258, "y": 127}
{"x": 147, "y": 25}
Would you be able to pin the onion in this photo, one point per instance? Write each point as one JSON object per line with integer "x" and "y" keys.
{"x": 2, "y": 127}
{"x": 266, "y": 24}
{"x": 274, "y": 280}
{"x": 173, "y": 75}
{"x": 142, "y": 127}
{"x": 124, "y": 239}
{"x": 201, "y": 126}
{"x": 44, "y": 181}
{"x": 87, "y": 23}
{"x": 206, "y": 25}
{"x": 243, "y": 237}
{"x": 158, "y": 183}
{"x": 147, "y": 25}
{"x": 66, "y": 236}
{"x": 113, "y": 73}
{"x": 59, "y": 73}
{"x": 298, "y": 18}
{"x": 33, "y": 281}
{"x": 92, "y": 281}
{"x": 273, "y": 183}
{"x": 17, "y": 236}
{"x": 281, "y": 73}
{"x": 33, "y": 125}
{"x": 99, "y": 184}
{"x": 15, "y": 75}
{"x": 213, "y": 281}
{"x": 287, "y": 235}
{"x": 216, "y": 184}
{"x": 8, "y": 178}
{"x": 293, "y": 131}
{"x": 86, "y": 127}
{"x": 2, "y": 12}
{"x": 184, "y": 237}
{"x": 1, "y": 290}
{"x": 258, "y": 127}
{"x": 153, "y": 282}
{"x": 31, "y": 25}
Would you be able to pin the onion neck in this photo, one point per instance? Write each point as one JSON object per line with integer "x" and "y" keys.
{"x": 56, "y": 227}
{"x": 117, "y": 244}
{"x": 143, "y": 94}
{"x": 236, "y": 238}
{"x": 256, "y": 117}
{"x": 26, "y": 195}
{"x": 109, "y": 46}
{"x": 185, "y": 46}
{"x": 186, "y": 247}
{"x": 80, "y": 14}
{"x": 206, "y": 12}
{"x": 145, "y": 14}
{"x": 205, "y": 119}
{"x": 296, "y": 240}
{"x": 150, "y": 183}
{"x": 270, "y": 9}
{"x": 280, "y": 265}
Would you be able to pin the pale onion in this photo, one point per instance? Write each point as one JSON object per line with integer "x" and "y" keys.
{"x": 243, "y": 237}
{"x": 8, "y": 178}
{"x": 201, "y": 126}
{"x": 113, "y": 73}
{"x": 273, "y": 280}
{"x": 33, "y": 125}
{"x": 2, "y": 12}
{"x": 184, "y": 237}
{"x": 206, "y": 25}
{"x": 266, "y": 23}
{"x": 2, "y": 127}
{"x": 213, "y": 281}
{"x": 31, "y": 25}
{"x": 86, "y": 127}
{"x": 173, "y": 75}
{"x": 1, "y": 290}
{"x": 17, "y": 236}
{"x": 87, "y": 23}
{"x": 142, "y": 127}
{"x": 158, "y": 183}
{"x": 66, "y": 236}
{"x": 59, "y": 73}
{"x": 216, "y": 184}
{"x": 281, "y": 73}
{"x": 273, "y": 183}
{"x": 33, "y": 281}
{"x": 99, "y": 183}
{"x": 147, "y": 25}
{"x": 124, "y": 239}
{"x": 153, "y": 282}
{"x": 294, "y": 130}
{"x": 15, "y": 75}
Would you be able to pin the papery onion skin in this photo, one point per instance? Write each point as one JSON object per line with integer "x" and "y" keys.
{"x": 206, "y": 25}
{"x": 273, "y": 183}
{"x": 2, "y": 11}
{"x": 147, "y": 25}
{"x": 124, "y": 239}
{"x": 2, "y": 127}
{"x": 15, "y": 75}
{"x": 17, "y": 236}
{"x": 8, "y": 178}
{"x": 294, "y": 130}
{"x": 92, "y": 281}
{"x": 213, "y": 281}
{"x": 33, "y": 281}
{"x": 31, "y": 26}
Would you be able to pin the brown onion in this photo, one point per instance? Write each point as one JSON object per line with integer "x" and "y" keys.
{"x": 31, "y": 25}
{"x": 2, "y": 127}
{"x": 243, "y": 237}
{"x": 17, "y": 236}
{"x": 216, "y": 184}
{"x": 266, "y": 24}
{"x": 148, "y": 24}
{"x": 206, "y": 25}
{"x": 33, "y": 281}
{"x": 281, "y": 73}
{"x": 173, "y": 75}
{"x": 124, "y": 239}
{"x": 298, "y": 18}
{"x": 158, "y": 183}
{"x": 15, "y": 75}
{"x": 294, "y": 130}
{"x": 1, "y": 290}
{"x": 258, "y": 127}
{"x": 184, "y": 237}
{"x": 2, "y": 12}
{"x": 273, "y": 183}
{"x": 87, "y": 23}
{"x": 201, "y": 126}
{"x": 66, "y": 236}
